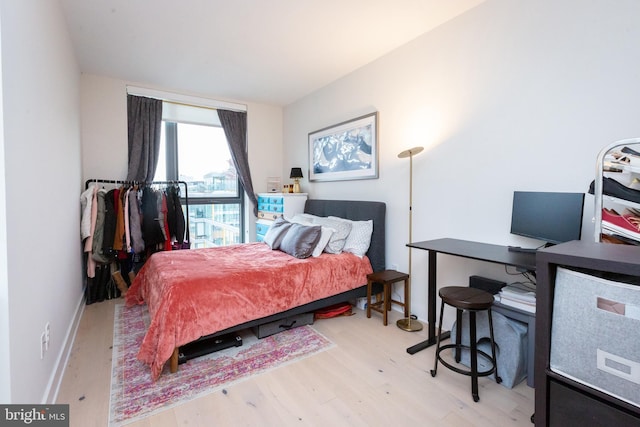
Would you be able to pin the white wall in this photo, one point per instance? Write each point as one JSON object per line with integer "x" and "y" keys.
{"x": 5, "y": 384}
{"x": 508, "y": 96}
{"x": 41, "y": 136}
{"x": 104, "y": 134}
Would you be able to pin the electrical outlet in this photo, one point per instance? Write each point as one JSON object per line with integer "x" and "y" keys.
{"x": 394, "y": 267}
{"x": 47, "y": 335}
{"x": 44, "y": 339}
{"x": 42, "y": 345}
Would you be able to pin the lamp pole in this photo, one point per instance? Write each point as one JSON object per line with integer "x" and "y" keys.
{"x": 409, "y": 324}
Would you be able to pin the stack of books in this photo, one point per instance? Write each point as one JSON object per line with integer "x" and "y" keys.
{"x": 518, "y": 296}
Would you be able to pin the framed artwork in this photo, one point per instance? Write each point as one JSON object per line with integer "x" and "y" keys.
{"x": 346, "y": 151}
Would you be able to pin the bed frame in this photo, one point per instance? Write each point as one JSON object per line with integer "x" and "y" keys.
{"x": 353, "y": 210}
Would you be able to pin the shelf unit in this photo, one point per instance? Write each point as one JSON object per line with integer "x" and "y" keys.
{"x": 274, "y": 205}
{"x": 559, "y": 400}
{"x": 604, "y": 165}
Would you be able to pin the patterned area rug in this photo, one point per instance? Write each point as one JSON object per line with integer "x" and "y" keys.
{"x": 134, "y": 395}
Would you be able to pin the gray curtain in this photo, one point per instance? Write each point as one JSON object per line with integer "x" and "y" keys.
{"x": 234, "y": 124}
{"x": 144, "y": 117}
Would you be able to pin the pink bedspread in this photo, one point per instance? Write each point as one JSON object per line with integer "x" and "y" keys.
{"x": 193, "y": 293}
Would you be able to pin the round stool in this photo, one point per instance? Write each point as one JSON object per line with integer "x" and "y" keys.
{"x": 472, "y": 300}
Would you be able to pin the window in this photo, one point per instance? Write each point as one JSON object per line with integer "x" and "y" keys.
{"x": 196, "y": 151}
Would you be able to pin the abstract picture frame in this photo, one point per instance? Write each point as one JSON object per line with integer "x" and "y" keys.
{"x": 345, "y": 151}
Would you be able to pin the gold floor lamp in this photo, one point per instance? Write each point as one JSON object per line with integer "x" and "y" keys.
{"x": 409, "y": 324}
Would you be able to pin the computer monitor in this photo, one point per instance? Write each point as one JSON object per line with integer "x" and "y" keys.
{"x": 547, "y": 216}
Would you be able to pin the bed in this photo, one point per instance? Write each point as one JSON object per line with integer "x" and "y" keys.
{"x": 204, "y": 293}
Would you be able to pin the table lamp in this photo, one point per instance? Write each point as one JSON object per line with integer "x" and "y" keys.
{"x": 296, "y": 174}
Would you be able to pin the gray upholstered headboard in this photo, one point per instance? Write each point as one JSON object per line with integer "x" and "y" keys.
{"x": 357, "y": 211}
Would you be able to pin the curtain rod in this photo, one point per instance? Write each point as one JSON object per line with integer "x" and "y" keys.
{"x": 192, "y": 101}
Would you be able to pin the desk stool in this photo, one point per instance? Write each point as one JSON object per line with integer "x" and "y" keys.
{"x": 383, "y": 305}
{"x": 471, "y": 300}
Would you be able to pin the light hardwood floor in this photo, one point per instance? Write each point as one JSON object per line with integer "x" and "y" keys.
{"x": 367, "y": 379}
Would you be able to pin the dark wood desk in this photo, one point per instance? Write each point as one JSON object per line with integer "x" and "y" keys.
{"x": 475, "y": 250}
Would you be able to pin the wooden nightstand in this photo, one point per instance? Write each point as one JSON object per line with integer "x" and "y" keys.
{"x": 386, "y": 278}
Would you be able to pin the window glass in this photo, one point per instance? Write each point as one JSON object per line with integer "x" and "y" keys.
{"x": 199, "y": 155}
{"x": 204, "y": 161}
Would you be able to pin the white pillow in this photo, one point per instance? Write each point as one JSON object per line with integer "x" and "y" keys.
{"x": 301, "y": 218}
{"x": 359, "y": 239}
{"x": 324, "y": 240}
{"x": 341, "y": 227}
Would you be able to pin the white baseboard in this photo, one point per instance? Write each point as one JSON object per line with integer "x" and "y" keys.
{"x": 51, "y": 392}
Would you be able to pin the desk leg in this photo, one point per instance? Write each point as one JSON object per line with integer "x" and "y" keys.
{"x": 531, "y": 354}
{"x": 431, "y": 307}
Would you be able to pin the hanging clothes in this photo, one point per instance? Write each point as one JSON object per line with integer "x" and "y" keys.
{"x": 89, "y": 217}
{"x": 127, "y": 226}
{"x": 118, "y": 236}
{"x": 135, "y": 222}
{"x": 165, "y": 223}
{"x": 161, "y": 214}
{"x": 175, "y": 214}
{"x": 171, "y": 212}
{"x": 151, "y": 230}
{"x": 110, "y": 218}
{"x": 86, "y": 202}
{"x": 120, "y": 228}
{"x": 97, "y": 252}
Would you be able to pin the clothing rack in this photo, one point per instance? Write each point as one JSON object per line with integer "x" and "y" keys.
{"x": 145, "y": 183}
